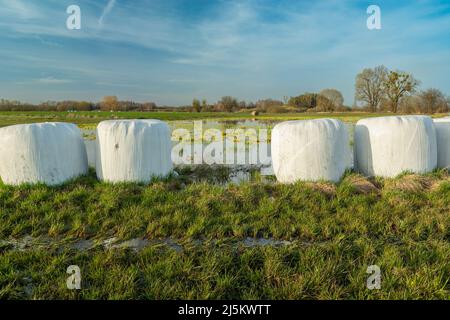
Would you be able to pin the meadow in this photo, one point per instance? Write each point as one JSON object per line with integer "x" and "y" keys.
{"x": 196, "y": 235}
{"x": 91, "y": 118}
{"x": 195, "y": 238}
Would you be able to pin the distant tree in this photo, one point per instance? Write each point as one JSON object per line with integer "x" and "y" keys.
{"x": 47, "y": 106}
{"x": 432, "y": 101}
{"x": 67, "y": 105}
{"x": 147, "y": 106}
{"x": 251, "y": 105}
{"x": 266, "y": 104}
{"x": 324, "y": 104}
{"x": 369, "y": 86}
{"x": 205, "y": 106}
{"x": 304, "y": 101}
{"x": 196, "y": 106}
{"x": 396, "y": 85}
{"x": 334, "y": 97}
{"x": 62, "y": 106}
{"x": 408, "y": 104}
{"x": 128, "y": 106}
{"x": 85, "y": 106}
{"x": 109, "y": 103}
{"x": 228, "y": 104}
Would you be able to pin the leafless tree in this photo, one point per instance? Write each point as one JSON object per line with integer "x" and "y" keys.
{"x": 335, "y": 97}
{"x": 196, "y": 106}
{"x": 228, "y": 104}
{"x": 109, "y": 103}
{"x": 432, "y": 101}
{"x": 369, "y": 86}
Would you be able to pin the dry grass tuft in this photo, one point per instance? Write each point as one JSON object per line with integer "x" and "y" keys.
{"x": 411, "y": 183}
{"x": 437, "y": 184}
{"x": 362, "y": 185}
{"x": 324, "y": 187}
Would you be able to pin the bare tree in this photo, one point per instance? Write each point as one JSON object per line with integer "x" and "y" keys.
{"x": 147, "y": 106}
{"x": 265, "y": 104}
{"x": 228, "y": 104}
{"x": 397, "y": 85}
{"x": 409, "y": 104}
{"x": 433, "y": 100}
{"x": 242, "y": 105}
{"x": 334, "y": 97}
{"x": 196, "y": 106}
{"x": 109, "y": 103}
{"x": 324, "y": 104}
{"x": 205, "y": 106}
{"x": 369, "y": 86}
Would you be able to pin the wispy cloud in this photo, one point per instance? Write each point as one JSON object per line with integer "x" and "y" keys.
{"x": 19, "y": 8}
{"x": 247, "y": 48}
{"x": 106, "y": 11}
{"x": 51, "y": 80}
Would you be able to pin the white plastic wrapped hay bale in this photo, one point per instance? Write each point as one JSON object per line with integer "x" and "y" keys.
{"x": 442, "y": 127}
{"x": 133, "y": 150}
{"x": 388, "y": 146}
{"x": 310, "y": 150}
{"x": 49, "y": 153}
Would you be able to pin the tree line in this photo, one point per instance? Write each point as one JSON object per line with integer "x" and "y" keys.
{"x": 380, "y": 89}
{"x": 376, "y": 90}
{"x": 108, "y": 103}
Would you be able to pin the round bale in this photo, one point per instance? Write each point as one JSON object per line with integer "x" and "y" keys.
{"x": 388, "y": 146}
{"x": 49, "y": 153}
{"x": 442, "y": 127}
{"x": 133, "y": 150}
{"x": 310, "y": 150}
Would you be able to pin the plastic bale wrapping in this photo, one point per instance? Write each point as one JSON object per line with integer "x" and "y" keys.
{"x": 133, "y": 150}
{"x": 442, "y": 127}
{"x": 310, "y": 150}
{"x": 388, "y": 146}
{"x": 49, "y": 153}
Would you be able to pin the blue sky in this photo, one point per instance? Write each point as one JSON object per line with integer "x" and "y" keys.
{"x": 170, "y": 51}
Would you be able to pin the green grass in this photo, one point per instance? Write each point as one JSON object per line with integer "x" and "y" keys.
{"x": 335, "y": 271}
{"x": 88, "y": 118}
{"x": 91, "y": 118}
{"x": 402, "y": 225}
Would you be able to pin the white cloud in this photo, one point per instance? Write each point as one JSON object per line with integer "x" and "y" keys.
{"x": 248, "y": 47}
{"x": 106, "y": 11}
{"x": 51, "y": 80}
{"x": 19, "y": 8}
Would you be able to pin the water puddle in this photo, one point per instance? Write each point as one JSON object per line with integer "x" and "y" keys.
{"x": 262, "y": 242}
{"x": 136, "y": 244}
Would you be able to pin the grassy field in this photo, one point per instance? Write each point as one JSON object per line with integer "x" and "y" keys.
{"x": 91, "y": 118}
{"x": 197, "y": 237}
